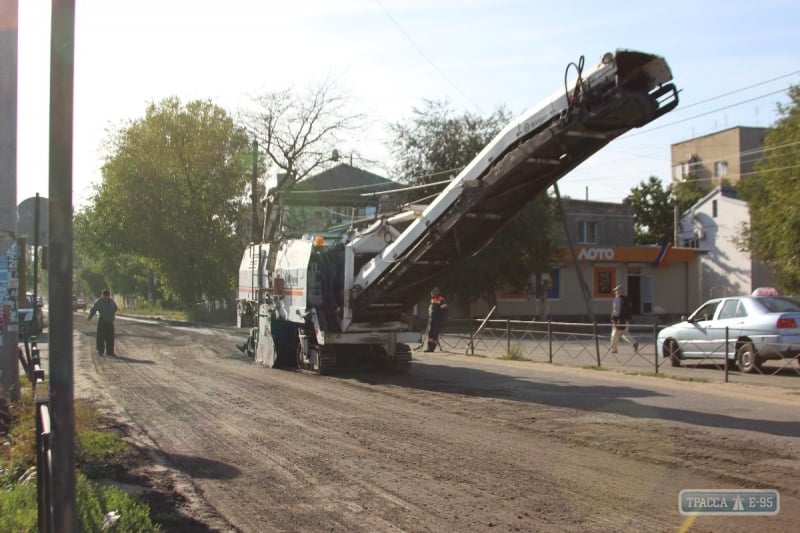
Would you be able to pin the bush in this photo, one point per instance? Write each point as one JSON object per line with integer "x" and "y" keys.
{"x": 18, "y": 509}
{"x": 96, "y": 452}
{"x": 514, "y": 353}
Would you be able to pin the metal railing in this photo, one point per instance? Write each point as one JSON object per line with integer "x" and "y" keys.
{"x": 31, "y": 362}
{"x": 588, "y": 344}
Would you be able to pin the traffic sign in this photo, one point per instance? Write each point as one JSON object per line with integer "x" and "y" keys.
{"x": 26, "y": 220}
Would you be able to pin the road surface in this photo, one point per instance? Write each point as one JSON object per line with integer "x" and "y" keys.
{"x": 459, "y": 444}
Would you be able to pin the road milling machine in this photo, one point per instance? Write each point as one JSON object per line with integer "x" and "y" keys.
{"x": 319, "y": 302}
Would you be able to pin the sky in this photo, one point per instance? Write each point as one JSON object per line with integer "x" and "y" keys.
{"x": 732, "y": 61}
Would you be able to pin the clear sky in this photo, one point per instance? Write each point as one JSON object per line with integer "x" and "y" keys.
{"x": 391, "y": 55}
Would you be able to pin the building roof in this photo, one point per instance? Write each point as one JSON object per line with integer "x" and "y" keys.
{"x": 718, "y": 132}
{"x": 725, "y": 191}
{"x": 344, "y": 176}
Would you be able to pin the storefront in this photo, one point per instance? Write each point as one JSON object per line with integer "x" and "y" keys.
{"x": 661, "y": 281}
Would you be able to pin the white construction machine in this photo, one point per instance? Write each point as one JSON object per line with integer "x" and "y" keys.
{"x": 318, "y": 302}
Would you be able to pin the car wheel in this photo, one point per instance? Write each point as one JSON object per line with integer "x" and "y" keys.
{"x": 673, "y": 352}
{"x": 747, "y": 358}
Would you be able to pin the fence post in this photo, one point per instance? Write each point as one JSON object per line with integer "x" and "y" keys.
{"x": 508, "y": 337}
{"x": 655, "y": 344}
{"x": 44, "y": 476}
{"x": 726, "y": 354}
{"x": 596, "y": 343}
{"x": 550, "y": 341}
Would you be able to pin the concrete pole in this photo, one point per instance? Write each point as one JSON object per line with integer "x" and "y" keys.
{"x": 9, "y": 364}
{"x": 62, "y": 54}
{"x": 254, "y": 196}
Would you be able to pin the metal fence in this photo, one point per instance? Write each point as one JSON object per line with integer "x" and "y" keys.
{"x": 32, "y": 365}
{"x": 588, "y": 344}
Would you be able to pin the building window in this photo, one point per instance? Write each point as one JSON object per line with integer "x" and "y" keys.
{"x": 605, "y": 279}
{"x": 548, "y": 283}
{"x": 714, "y": 210}
{"x": 587, "y": 232}
{"x": 720, "y": 169}
{"x": 682, "y": 170}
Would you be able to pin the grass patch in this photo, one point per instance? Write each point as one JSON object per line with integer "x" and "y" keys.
{"x": 514, "y": 353}
{"x": 646, "y": 374}
{"x": 97, "y": 452}
{"x": 661, "y": 375}
{"x": 156, "y": 311}
{"x": 595, "y": 367}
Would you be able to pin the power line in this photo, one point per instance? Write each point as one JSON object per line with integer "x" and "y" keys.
{"x": 704, "y": 114}
{"x": 718, "y": 97}
{"x": 425, "y": 56}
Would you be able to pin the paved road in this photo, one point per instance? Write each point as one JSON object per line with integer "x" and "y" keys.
{"x": 461, "y": 443}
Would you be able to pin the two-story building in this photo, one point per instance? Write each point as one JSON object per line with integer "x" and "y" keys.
{"x": 714, "y": 224}
{"x": 599, "y": 254}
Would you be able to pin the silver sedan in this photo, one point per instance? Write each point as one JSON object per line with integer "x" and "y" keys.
{"x": 749, "y": 329}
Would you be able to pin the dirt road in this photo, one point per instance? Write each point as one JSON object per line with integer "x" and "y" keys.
{"x": 459, "y": 444}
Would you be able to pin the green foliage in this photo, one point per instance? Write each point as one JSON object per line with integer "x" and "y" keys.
{"x": 514, "y": 353}
{"x": 435, "y": 145}
{"x": 686, "y": 193}
{"x": 18, "y": 509}
{"x": 18, "y": 501}
{"x": 94, "y": 501}
{"x": 171, "y": 205}
{"x": 774, "y": 231}
{"x": 654, "y": 208}
{"x": 159, "y": 311}
{"x": 524, "y": 246}
{"x": 95, "y": 452}
{"x": 653, "y": 212}
{"x": 17, "y": 438}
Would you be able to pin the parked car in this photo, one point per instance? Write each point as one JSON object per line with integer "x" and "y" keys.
{"x": 78, "y": 304}
{"x": 31, "y": 317}
{"x": 758, "y": 328}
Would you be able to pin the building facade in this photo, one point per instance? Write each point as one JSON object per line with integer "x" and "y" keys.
{"x": 714, "y": 224}
{"x": 662, "y": 280}
{"x": 721, "y": 157}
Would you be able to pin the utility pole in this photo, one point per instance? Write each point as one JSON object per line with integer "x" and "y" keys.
{"x": 9, "y": 273}
{"x": 254, "y": 237}
{"x": 587, "y": 296}
{"x": 62, "y": 408}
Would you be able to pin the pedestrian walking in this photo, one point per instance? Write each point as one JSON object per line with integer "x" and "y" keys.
{"x": 620, "y": 317}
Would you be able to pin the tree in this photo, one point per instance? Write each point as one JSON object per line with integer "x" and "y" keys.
{"x": 773, "y": 235}
{"x": 436, "y": 144}
{"x": 686, "y": 192}
{"x": 301, "y": 132}
{"x": 171, "y": 200}
{"x": 653, "y": 212}
{"x": 654, "y": 208}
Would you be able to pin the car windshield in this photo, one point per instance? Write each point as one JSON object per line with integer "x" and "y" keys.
{"x": 779, "y": 304}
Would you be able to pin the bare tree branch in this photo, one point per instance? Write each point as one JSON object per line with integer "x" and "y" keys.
{"x": 299, "y": 132}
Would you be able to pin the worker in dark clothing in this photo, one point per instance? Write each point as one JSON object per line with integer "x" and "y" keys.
{"x": 437, "y": 312}
{"x": 106, "y": 309}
